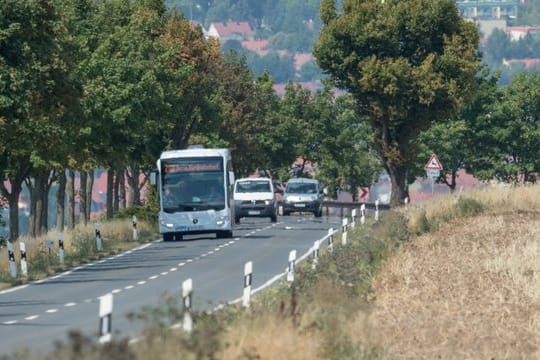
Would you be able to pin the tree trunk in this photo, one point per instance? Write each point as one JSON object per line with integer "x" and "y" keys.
{"x": 13, "y": 203}
{"x": 132, "y": 174}
{"x": 82, "y": 198}
{"x": 116, "y": 191}
{"x": 39, "y": 190}
{"x": 89, "y": 191}
{"x": 400, "y": 189}
{"x": 60, "y": 201}
{"x": 70, "y": 189}
{"x": 110, "y": 185}
{"x": 122, "y": 201}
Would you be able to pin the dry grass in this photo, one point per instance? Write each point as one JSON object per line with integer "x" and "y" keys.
{"x": 469, "y": 290}
{"x": 116, "y": 235}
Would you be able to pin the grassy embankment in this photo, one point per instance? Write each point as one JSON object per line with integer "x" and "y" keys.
{"x": 453, "y": 278}
{"x": 79, "y": 248}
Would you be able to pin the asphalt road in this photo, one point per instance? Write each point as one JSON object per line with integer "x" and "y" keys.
{"x": 38, "y": 314}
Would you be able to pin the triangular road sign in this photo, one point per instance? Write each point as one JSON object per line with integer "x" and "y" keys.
{"x": 433, "y": 163}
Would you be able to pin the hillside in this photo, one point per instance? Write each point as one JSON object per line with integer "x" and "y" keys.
{"x": 468, "y": 290}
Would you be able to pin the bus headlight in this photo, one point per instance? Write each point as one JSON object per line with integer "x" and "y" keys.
{"x": 222, "y": 220}
{"x": 167, "y": 225}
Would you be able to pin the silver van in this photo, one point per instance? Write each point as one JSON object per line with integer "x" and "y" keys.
{"x": 303, "y": 195}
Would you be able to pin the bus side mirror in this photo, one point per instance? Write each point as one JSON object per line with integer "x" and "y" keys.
{"x": 153, "y": 177}
{"x": 231, "y": 177}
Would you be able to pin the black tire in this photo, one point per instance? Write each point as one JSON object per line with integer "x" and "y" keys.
{"x": 318, "y": 213}
{"x": 168, "y": 237}
{"x": 224, "y": 234}
{"x": 237, "y": 220}
{"x": 273, "y": 218}
{"x": 286, "y": 213}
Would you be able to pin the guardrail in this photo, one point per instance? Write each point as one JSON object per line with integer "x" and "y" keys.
{"x": 345, "y": 207}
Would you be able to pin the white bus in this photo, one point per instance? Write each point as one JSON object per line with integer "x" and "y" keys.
{"x": 195, "y": 192}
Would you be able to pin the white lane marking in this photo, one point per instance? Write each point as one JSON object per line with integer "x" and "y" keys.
{"x": 141, "y": 282}
{"x": 70, "y": 304}
{"x": 190, "y": 260}
{"x": 13, "y": 289}
{"x": 51, "y": 311}
{"x": 173, "y": 269}
{"x": 31, "y": 317}
{"x": 181, "y": 264}
{"x": 204, "y": 255}
{"x": 88, "y": 300}
{"x": 153, "y": 277}
{"x": 129, "y": 287}
{"x": 116, "y": 291}
{"x": 164, "y": 273}
{"x": 10, "y": 322}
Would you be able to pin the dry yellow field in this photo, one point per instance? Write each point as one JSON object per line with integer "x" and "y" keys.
{"x": 470, "y": 290}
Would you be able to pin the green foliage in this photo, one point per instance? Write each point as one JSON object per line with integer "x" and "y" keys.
{"x": 407, "y": 64}
{"x": 467, "y": 207}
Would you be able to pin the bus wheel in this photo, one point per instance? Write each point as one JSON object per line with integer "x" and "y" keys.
{"x": 168, "y": 237}
{"x": 224, "y": 234}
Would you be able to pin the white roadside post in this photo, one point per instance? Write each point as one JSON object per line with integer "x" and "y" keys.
{"x": 11, "y": 257}
{"x": 344, "y": 224}
{"x": 187, "y": 292}
{"x": 248, "y": 271}
{"x": 406, "y": 201}
{"x": 363, "y": 214}
{"x": 353, "y": 220}
{"x": 290, "y": 269}
{"x": 24, "y": 265}
{"x": 331, "y": 239}
{"x": 316, "y": 246}
{"x": 105, "y": 317}
{"x": 61, "y": 247}
{"x": 98, "y": 238}
{"x": 134, "y": 226}
{"x": 377, "y": 210}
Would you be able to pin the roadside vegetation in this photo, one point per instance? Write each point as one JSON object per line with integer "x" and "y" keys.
{"x": 452, "y": 278}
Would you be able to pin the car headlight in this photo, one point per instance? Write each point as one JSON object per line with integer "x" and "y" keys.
{"x": 267, "y": 202}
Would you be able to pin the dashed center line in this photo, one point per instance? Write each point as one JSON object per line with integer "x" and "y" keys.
{"x": 32, "y": 317}
{"x": 51, "y": 311}
{"x": 70, "y": 304}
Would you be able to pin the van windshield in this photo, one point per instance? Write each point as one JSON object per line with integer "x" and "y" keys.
{"x": 301, "y": 188}
{"x": 252, "y": 186}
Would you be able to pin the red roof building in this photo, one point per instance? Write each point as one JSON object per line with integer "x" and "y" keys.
{"x": 240, "y": 31}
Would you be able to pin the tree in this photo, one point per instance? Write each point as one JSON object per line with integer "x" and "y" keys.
{"x": 512, "y": 133}
{"x": 408, "y": 64}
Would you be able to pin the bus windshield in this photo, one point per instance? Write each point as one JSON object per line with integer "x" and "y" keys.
{"x": 193, "y": 184}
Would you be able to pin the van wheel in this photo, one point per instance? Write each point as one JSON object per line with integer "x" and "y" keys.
{"x": 237, "y": 220}
{"x": 318, "y": 213}
{"x": 273, "y": 218}
{"x": 286, "y": 213}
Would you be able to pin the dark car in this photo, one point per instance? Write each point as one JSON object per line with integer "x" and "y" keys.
{"x": 303, "y": 195}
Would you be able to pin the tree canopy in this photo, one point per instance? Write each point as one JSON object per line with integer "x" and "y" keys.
{"x": 407, "y": 65}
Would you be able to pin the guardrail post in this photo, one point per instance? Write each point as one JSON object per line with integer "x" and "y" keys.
{"x": 316, "y": 246}
{"x": 98, "y": 238}
{"x": 290, "y": 268}
{"x": 134, "y": 227}
{"x": 24, "y": 265}
{"x": 353, "y": 218}
{"x": 105, "y": 317}
{"x": 187, "y": 291}
{"x": 330, "y": 239}
{"x": 377, "y": 210}
{"x": 11, "y": 257}
{"x": 363, "y": 214}
{"x": 248, "y": 274}
{"x": 61, "y": 247}
{"x": 344, "y": 224}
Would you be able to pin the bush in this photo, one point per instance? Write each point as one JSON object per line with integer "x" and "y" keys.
{"x": 469, "y": 207}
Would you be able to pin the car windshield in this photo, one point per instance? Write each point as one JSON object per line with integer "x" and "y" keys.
{"x": 251, "y": 186}
{"x": 301, "y": 188}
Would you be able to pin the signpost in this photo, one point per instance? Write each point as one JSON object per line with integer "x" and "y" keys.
{"x": 433, "y": 169}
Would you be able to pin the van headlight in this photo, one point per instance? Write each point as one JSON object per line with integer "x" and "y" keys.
{"x": 267, "y": 202}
